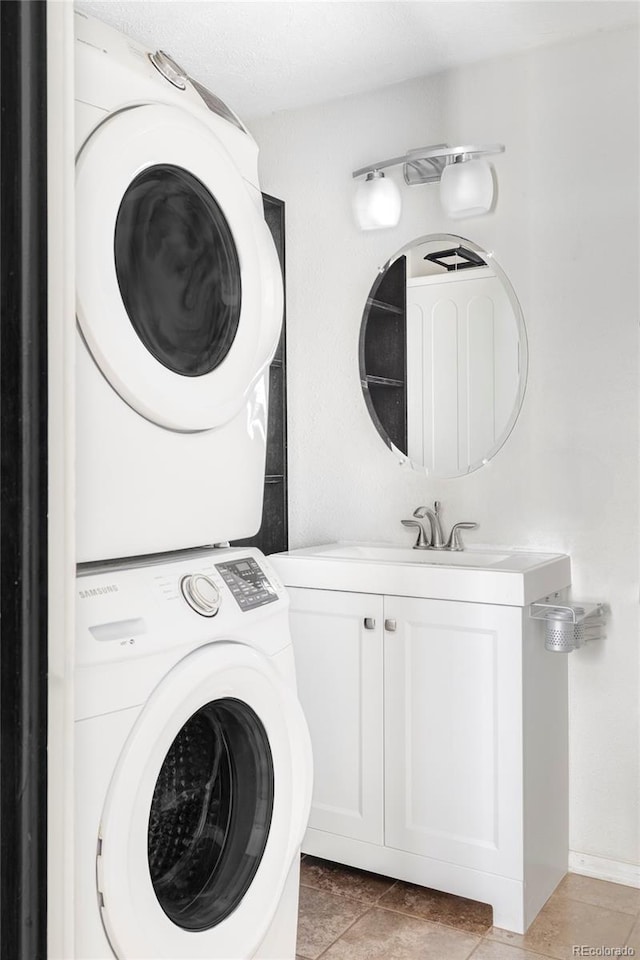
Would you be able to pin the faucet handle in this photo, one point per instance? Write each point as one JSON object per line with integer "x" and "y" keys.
{"x": 455, "y": 540}
{"x": 421, "y": 543}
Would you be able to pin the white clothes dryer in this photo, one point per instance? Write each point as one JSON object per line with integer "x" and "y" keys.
{"x": 179, "y": 307}
{"x": 192, "y": 758}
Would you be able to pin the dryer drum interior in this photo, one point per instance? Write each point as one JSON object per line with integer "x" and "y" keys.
{"x": 178, "y": 269}
{"x": 210, "y": 814}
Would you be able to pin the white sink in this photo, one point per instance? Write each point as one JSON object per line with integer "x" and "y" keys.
{"x": 384, "y": 554}
{"x": 513, "y": 578}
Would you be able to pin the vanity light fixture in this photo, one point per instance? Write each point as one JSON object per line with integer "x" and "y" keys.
{"x": 466, "y": 183}
{"x": 377, "y": 202}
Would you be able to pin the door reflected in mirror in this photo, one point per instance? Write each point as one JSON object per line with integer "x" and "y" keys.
{"x": 443, "y": 355}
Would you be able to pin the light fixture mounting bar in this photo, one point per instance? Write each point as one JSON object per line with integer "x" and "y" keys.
{"x": 394, "y": 162}
{"x": 425, "y": 164}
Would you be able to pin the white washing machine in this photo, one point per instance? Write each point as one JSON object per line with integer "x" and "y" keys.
{"x": 193, "y": 761}
{"x": 179, "y": 307}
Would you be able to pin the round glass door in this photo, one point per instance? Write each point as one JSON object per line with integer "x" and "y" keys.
{"x": 178, "y": 270}
{"x": 205, "y": 810}
{"x": 210, "y": 814}
{"x": 179, "y": 288}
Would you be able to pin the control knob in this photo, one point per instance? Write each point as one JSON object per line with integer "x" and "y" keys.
{"x": 169, "y": 69}
{"x": 201, "y": 594}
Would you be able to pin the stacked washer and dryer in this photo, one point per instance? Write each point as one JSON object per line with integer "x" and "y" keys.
{"x": 192, "y": 756}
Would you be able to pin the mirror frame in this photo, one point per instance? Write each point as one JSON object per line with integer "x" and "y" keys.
{"x": 488, "y": 256}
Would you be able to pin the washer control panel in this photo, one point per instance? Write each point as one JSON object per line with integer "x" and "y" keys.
{"x": 247, "y": 582}
{"x": 201, "y": 594}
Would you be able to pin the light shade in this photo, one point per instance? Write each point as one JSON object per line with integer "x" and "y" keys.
{"x": 466, "y": 189}
{"x": 377, "y": 203}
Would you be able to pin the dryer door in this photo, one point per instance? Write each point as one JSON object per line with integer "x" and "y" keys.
{"x": 179, "y": 289}
{"x": 205, "y": 811}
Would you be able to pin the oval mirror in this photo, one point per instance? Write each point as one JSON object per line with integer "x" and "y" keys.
{"x": 443, "y": 355}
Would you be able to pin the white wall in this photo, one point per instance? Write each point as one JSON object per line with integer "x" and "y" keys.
{"x": 566, "y": 231}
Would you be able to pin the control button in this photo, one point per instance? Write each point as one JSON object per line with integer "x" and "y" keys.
{"x": 201, "y": 594}
{"x": 169, "y": 69}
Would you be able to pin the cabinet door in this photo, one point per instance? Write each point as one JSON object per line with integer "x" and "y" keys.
{"x": 453, "y": 732}
{"x": 339, "y": 669}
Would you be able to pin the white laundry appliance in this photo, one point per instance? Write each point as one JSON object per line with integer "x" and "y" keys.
{"x": 179, "y": 307}
{"x": 192, "y": 758}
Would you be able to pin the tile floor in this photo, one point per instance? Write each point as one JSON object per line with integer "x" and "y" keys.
{"x": 348, "y": 914}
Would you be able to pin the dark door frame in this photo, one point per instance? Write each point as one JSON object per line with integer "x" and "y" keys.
{"x": 23, "y": 480}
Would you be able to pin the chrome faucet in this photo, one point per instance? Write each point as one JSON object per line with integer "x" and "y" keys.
{"x": 422, "y": 543}
{"x": 436, "y": 541}
{"x": 437, "y": 536}
{"x": 455, "y": 540}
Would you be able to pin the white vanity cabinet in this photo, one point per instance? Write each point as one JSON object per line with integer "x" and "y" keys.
{"x": 452, "y": 698}
{"x": 339, "y": 666}
{"x": 439, "y": 731}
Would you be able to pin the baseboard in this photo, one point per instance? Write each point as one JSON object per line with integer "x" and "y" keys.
{"x": 617, "y": 871}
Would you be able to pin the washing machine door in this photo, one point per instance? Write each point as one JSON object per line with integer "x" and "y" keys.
{"x": 205, "y": 812}
{"x": 179, "y": 288}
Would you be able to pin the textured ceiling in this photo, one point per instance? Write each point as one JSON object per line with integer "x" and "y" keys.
{"x": 264, "y": 56}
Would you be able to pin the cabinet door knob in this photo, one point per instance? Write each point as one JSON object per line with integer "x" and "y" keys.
{"x": 390, "y": 625}
{"x": 369, "y": 623}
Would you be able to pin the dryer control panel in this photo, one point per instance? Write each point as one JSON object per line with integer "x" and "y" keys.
{"x": 247, "y": 582}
